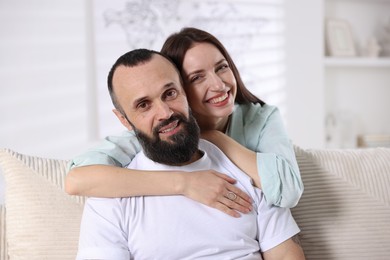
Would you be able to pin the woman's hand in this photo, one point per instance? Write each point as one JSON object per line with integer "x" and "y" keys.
{"x": 212, "y": 188}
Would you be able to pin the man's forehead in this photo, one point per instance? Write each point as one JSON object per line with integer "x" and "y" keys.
{"x": 157, "y": 66}
{"x": 146, "y": 78}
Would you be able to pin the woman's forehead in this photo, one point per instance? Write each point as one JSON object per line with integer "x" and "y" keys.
{"x": 201, "y": 54}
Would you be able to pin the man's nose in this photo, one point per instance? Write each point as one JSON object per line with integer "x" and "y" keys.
{"x": 163, "y": 111}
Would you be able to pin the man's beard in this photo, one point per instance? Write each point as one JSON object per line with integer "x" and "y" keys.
{"x": 181, "y": 146}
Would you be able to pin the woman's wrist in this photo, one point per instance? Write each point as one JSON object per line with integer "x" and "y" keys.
{"x": 179, "y": 181}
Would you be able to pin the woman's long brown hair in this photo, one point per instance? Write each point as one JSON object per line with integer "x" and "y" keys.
{"x": 176, "y": 46}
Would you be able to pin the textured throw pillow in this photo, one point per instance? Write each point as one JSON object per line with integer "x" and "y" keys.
{"x": 3, "y": 242}
{"x": 344, "y": 212}
{"x": 42, "y": 221}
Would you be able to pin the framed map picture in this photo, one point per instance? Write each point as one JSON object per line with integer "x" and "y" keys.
{"x": 251, "y": 30}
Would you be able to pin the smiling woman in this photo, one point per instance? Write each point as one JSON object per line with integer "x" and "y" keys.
{"x": 210, "y": 85}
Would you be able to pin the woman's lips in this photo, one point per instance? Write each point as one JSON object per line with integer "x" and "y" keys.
{"x": 219, "y": 99}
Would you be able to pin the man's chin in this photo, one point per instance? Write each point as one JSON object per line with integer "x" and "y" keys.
{"x": 165, "y": 137}
{"x": 168, "y": 140}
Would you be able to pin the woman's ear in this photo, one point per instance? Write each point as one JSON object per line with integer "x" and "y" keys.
{"x": 123, "y": 119}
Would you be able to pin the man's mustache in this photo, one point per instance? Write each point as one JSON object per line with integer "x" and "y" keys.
{"x": 166, "y": 122}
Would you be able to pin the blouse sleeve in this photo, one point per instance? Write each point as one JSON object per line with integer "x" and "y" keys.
{"x": 113, "y": 150}
{"x": 264, "y": 132}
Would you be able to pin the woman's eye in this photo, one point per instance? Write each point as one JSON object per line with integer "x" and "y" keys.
{"x": 195, "y": 78}
{"x": 223, "y": 67}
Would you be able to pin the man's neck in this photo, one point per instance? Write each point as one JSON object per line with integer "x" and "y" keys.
{"x": 196, "y": 156}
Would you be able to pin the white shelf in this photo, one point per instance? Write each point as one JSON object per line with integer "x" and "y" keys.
{"x": 381, "y": 62}
{"x": 356, "y": 88}
{"x": 372, "y": 1}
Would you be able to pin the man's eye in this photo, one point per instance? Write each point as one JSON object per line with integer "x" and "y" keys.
{"x": 171, "y": 93}
{"x": 142, "y": 105}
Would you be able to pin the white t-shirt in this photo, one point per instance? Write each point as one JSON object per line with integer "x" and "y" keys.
{"x": 176, "y": 227}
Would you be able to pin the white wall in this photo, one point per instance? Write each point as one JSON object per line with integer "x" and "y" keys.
{"x": 43, "y": 77}
{"x": 305, "y": 93}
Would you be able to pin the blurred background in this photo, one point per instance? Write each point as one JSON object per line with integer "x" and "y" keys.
{"x": 55, "y": 56}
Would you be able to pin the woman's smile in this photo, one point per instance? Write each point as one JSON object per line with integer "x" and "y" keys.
{"x": 219, "y": 100}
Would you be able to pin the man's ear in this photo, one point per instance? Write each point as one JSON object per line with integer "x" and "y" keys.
{"x": 123, "y": 119}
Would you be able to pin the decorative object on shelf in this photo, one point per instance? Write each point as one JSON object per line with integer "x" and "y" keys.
{"x": 372, "y": 48}
{"x": 341, "y": 129}
{"x": 339, "y": 39}
{"x": 366, "y": 141}
{"x": 384, "y": 38}
{"x": 332, "y": 138}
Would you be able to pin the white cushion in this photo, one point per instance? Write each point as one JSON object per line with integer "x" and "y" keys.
{"x": 42, "y": 221}
{"x": 344, "y": 212}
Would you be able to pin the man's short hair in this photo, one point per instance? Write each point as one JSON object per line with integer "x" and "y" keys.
{"x": 131, "y": 59}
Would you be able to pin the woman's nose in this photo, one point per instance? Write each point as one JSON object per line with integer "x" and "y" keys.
{"x": 216, "y": 83}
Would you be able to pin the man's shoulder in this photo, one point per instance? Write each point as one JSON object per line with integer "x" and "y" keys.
{"x": 206, "y": 145}
{"x": 140, "y": 160}
{"x": 212, "y": 151}
{"x": 218, "y": 158}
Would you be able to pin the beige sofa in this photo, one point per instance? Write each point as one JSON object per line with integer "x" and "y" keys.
{"x": 343, "y": 214}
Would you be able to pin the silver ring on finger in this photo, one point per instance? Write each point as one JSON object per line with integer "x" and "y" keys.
{"x": 231, "y": 196}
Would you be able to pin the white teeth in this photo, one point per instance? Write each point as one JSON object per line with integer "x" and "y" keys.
{"x": 219, "y": 99}
{"x": 170, "y": 129}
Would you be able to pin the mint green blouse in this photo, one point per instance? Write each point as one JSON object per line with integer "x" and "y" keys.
{"x": 259, "y": 128}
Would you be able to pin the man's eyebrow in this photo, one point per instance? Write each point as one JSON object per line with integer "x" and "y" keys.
{"x": 141, "y": 99}
{"x": 168, "y": 85}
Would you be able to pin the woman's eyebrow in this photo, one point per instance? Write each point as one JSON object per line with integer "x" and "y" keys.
{"x": 195, "y": 72}
{"x": 221, "y": 61}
